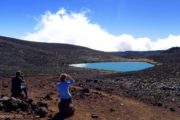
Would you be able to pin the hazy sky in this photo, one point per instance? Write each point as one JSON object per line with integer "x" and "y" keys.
{"x": 108, "y": 25}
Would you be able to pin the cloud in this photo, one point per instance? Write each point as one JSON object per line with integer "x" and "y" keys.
{"x": 76, "y": 28}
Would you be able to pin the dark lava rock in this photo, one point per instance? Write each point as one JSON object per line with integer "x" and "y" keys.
{"x": 23, "y": 106}
{"x": 85, "y": 90}
{"x": 7, "y": 119}
{"x": 50, "y": 116}
{"x": 87, "y": 94}
{"x": 159, "y": 104}
{"x": 9, "y": 104}
{"x": 41, "y": 104}
{"x": 88, "y": 80}
{"x": 94, "y": 116}
{"x": 112, "y": 110}
{"x": 172, "y": 109}
{"x": 41, "y": 111}
{"x": 34, "y": 106}
{"x": 98, "y": 88}
{"x": 47, "y": 97}
{"x": 5, "y": 86}
{"x": 95, "y": 81}
{"x": 168, "y": 88}
{"x": 30, "y": 101}
{"x": 2, "y": 96}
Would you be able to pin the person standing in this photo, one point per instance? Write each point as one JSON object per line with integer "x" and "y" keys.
{"x": 24, "y": 88}
{"x": 16, "y": 85}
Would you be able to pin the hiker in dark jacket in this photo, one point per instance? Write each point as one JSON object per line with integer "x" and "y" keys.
{"x": 16, "y": 85}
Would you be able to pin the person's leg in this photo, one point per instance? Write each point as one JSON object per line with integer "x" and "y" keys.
{"x": 25, "y": 92}
{"x": 14, "y": 94}
{"x": 62, "y": 106}
{"x": 19, "y": 93}
{"x": 68, "y": 102}
{"x": 69, "y": 109}
{"x": 63, "y": 103}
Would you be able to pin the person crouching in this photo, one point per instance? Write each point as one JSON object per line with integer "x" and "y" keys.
{"x": 64, "y": 94}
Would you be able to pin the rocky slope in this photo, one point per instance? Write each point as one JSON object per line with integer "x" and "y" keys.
{"x": 159, "y": 85}
{"x": 34, "y": 57}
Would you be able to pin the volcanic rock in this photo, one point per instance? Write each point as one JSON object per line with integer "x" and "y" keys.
{"x": 9, "y": 104}
{"x": 41, "y": 104}
{"x": 41, "y": 111}
{"x": 172, "y": 109}
{"x": 112, "y": 110}
{"x": 47, "y": 97}
{"x": 85, "y": 90}
{"x": 94, "y": 116}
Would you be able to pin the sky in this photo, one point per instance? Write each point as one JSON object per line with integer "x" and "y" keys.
{"x": 106, "y": 25}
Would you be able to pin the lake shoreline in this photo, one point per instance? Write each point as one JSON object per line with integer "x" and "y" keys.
{"x": 127, "y": 66}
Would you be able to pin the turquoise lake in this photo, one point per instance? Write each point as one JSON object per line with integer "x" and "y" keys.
{"x": 115, "y": 66}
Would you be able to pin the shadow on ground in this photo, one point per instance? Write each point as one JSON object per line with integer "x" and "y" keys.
{"x": 60, "y": 116}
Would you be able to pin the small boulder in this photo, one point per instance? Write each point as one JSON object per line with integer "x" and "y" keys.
{"x": 173, "y": 99}
{"x": 95, "y": 81}
{"x": 47, "y": 97}
{"x": 41, "y": 111}
{"x": 34, "y": 106}
{"x": 5, "y": 86}
{"x": 5, "y": 98}
{"x": 7, "y": 119}
{"x": 10, "y": 104}
{"x": 112, "y": 110}
{"x": 23, "y": 106}
{"x": 88, "y": 80}
{"x": 98, "y": 88}
{"x": 159, "y": 104}
{"x": 172, "y": 109}
{"x": 29, "y": 101}
{"x": 85, "y": 90}
{"x": 94, "y": 116}
{"x": 41, "y": 104}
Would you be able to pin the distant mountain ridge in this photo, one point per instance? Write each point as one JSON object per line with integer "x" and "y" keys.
{"x": 44, "y": 57}
{"x": 171, "y": 55}
{"x": 40, "y": 57}
{"x": 137, "y": 54}
{"x": 173, "y": 50}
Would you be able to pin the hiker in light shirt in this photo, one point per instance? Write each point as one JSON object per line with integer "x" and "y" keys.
{"x": 63, "y": 91}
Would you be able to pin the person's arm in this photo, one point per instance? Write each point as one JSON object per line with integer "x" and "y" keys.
{"x": 71, "y": 80}
{"x": 68, "y": 76}
{"x": 22, "y": 79}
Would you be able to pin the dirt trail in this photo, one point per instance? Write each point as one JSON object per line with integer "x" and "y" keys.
{"x": 110, "y": 107}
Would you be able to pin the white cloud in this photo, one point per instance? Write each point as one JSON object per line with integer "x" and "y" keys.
{"x": 76, "y": 28}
